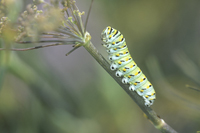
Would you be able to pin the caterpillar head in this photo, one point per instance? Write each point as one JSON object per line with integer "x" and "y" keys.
{"x": 104, "y": 33}
{"x": 113, "y": 66}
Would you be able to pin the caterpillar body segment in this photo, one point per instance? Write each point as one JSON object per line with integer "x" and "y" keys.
{"x": 135, "y": 73}
{"x": 127, "y": 70}
{"x": 120, "y": 62}
{"x": 117, "y": 49}
{"x": 118, "y": 55}
{"x": 125, "y": 67}
{"x": 150, "y": 97}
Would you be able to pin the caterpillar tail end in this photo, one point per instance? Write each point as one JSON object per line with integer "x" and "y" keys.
{"x": 147, "y": 103}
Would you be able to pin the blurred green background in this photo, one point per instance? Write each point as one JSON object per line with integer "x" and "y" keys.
{"x": 43, "y": 91}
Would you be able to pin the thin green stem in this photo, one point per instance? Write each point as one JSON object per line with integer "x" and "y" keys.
{"x": 37, "y": 47}
{"x": 71, "y": 50}
{"x": 86, "y": 22}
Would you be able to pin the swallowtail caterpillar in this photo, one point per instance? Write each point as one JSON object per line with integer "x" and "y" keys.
{"x": 125, "y": 67}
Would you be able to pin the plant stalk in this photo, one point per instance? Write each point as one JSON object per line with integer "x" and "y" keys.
{"x": 151, "y": 114}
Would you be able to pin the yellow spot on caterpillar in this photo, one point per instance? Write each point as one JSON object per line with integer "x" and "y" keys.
{"x": 110, "y": 36}
{"x": 113, "y": 43}
{"x": 148, "y": 86}
{"x": 127, "y": 59}
{"x": 120, "y": 38}
{"x": 152, "y": 94}
{"x": 129, "y": 76}
{"x": 131, "y": 66}
{"x": 141, "y": 90}
{"x": 117, "y": 55}
{"x": 124, "y": 53}
{"x": 141, "y": 80}
{"x": 119, "y": 62}
{"x": 135, "y": 83}
{"x": 136, "y": 73}
{"x": 123, "y": 46}
{"x": 115, "y": 48}
{"x": 146, "y": 96}
{"x": 124, "y": 70}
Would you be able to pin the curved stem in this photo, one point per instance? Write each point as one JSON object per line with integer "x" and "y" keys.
{"x": 151, "y": 114}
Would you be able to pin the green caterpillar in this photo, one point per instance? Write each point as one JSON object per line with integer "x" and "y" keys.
{"x": 122, "y": 61}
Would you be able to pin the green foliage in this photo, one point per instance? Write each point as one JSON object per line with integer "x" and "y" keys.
{"x": 44, "y": 91}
